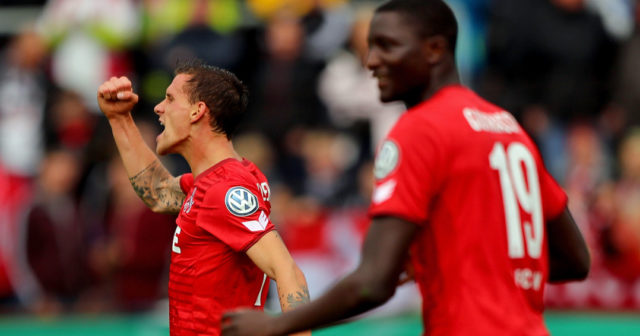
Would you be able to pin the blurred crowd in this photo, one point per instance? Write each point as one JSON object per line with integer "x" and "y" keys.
{"x": 74, "y": 237}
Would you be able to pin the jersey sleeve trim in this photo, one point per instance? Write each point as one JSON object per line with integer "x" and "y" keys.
{"x": 252, "y": 242}
{"x": 386, "y": 213}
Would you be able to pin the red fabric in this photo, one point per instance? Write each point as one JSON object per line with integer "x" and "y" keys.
{"x": 210, "y": 272}
{"x": 15, "y": 195}
{"x": 444, "y": 182}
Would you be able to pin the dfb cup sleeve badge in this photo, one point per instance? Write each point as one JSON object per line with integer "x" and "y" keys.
{"x": 240, "y": 201}
{"x": 386, "y": 160}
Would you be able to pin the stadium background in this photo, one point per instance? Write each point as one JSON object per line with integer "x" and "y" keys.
{"x": 80, "y": 254}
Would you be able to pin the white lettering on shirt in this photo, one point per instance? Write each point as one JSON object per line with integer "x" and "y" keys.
{"x": 527, "y": 279}
{"x": 500, "y": 122}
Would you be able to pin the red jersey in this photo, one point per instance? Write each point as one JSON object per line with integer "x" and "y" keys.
{"x": 465, "y": 172}
{"x": 226, "y": 210}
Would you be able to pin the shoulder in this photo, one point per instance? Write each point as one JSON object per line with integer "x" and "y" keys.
{"x": 233, "y": 185}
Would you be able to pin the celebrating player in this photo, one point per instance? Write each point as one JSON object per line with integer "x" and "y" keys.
{"x": 460, "y": 190}
{"x": 225, "y": 248}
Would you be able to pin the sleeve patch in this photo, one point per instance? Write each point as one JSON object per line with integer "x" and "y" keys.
{"x": 257, "y": 225}
{"x": 240, "y": 201}
{"x": 386, "y": 160}
{"x": 384, "y": 191}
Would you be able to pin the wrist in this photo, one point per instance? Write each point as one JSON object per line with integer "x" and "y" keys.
{"x": 120, "y": 119}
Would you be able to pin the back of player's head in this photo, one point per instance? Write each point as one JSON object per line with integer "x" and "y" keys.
{"x": 222, "y": 92}
{"x": 429, "y": 17}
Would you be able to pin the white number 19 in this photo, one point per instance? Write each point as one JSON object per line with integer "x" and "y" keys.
{"x": 512, "y": 165}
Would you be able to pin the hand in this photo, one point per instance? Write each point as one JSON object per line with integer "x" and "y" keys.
{"x": 246, "y": 323}
{"x": 116, "y": 97}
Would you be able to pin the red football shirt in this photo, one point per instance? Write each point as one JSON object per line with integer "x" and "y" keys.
{"x": 465, "y": 172}
{"x": 226, "y": 210}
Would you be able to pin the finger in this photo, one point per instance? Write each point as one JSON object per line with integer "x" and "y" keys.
{"x": 123, "y": 84}
{"x": 101, "y": 90}
{"x": 110, "y": 90}
{"x": 125, "y": 95}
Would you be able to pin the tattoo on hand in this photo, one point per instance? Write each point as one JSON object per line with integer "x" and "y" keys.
{"x": 299, "y": 298}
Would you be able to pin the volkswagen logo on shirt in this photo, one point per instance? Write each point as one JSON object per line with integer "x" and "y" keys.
{"x": 240, "y": 201}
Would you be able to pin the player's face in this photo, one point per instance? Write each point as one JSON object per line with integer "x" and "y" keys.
{"x": 396, "y": 57}
{"x": 173, "y": 114}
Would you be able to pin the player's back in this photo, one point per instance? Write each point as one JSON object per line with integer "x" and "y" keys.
{"x": 480, "y": 257}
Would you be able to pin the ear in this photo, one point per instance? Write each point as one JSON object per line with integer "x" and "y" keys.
{"x": 198, "y": 112}
{"x": 435, "y": 47}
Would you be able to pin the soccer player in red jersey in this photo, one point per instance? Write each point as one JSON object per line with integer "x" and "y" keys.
{"x": 460, "y": 190}
{"x": 225, "y": 248}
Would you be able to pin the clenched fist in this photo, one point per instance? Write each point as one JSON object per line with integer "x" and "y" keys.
{"x": 116, "y": 97}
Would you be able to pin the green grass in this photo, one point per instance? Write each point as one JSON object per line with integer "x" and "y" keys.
{"x": 560, "y": 323}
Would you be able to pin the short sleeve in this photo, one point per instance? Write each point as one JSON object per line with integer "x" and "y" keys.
{"x": 186, "y": 182}
{"x": 407, "y": 169}
{"x": 235, "y": 213}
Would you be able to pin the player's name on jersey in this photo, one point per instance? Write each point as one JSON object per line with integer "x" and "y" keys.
{"x": 499, "y": 122}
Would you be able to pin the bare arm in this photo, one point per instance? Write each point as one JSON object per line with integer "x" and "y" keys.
{"x": 272, "y": 256}
{"x": 370, "y": 285}
{"x": 568, "y": 253}
{"x": 151, "y": 181}
{"x": 159, "y": 190}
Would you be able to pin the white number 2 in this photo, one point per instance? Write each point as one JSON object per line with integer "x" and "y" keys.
{"x": 512, "y": 165}
{"x": 175, "y": 248}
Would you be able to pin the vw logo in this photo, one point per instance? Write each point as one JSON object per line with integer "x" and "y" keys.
{"x": 240, "y": 201}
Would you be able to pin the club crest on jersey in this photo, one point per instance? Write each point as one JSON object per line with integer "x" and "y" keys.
{"x": 189, "y": 203}
{"x": 386, "y": 160}
{"x": 240, "y": 201}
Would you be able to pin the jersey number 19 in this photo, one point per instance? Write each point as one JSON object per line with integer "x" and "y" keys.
{"x": 520, "y": 186}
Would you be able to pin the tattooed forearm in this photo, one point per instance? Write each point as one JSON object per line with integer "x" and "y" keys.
{"x": 297, "y": 299}
{"x": 158, "y": 189}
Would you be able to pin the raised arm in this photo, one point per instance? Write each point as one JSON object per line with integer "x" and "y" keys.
{"x": 159, "y": 190}
{"x": 568, "y": 253}
{"x": 370, "y": 285}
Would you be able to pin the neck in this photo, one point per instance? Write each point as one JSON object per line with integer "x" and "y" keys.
{"x": 209, "y": 149}
{"x": 444, "y": 75}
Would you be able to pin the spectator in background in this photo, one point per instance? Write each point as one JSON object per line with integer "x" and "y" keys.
{"x": 350, "y": 92}
{"x": 622, "y": 238}
{"x": 549, "y": 63}
{"x": 55, "y": 243}
{"x": 552, "y": 53}
{"x": 69, "y": 123}
{"x": 627, "y": 76}
{"x": 133, "y": 256}
{"x": 284, "y": 94}
{"x": 89, "y": 41}
{"x": 23, "y": 96}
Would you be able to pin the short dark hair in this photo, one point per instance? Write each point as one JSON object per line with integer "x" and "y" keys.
{"x": 223, "y": 93}
{"x": 430, "y": 17}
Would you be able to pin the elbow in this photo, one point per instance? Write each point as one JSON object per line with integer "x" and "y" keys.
{"x": 575, "y": 269}
{"x": 374, "y": 292}
{"x": 157, "y": 209}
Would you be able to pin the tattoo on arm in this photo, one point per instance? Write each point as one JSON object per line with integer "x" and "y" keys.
{"x": 158, "y": 189}
{"x": 295, "y": 300}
